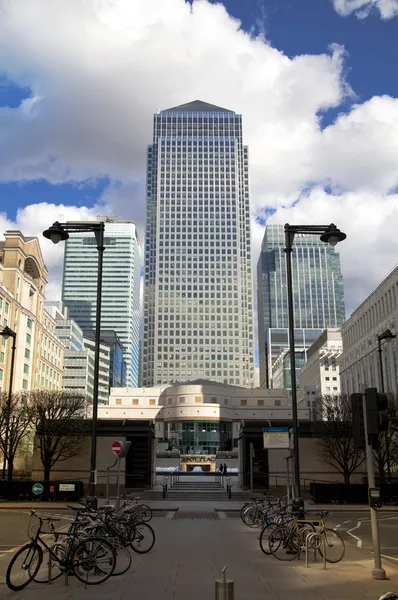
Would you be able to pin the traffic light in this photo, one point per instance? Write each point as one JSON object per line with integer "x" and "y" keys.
{"x": 376, "y": 411}
{"x": 358, "y": 428}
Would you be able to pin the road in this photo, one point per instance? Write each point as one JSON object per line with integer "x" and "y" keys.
{"x": 355, "y": 528}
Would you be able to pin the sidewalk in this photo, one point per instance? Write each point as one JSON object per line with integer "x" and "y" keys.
{"x": 170, "y": 505}
{"x": 189, "y": 555}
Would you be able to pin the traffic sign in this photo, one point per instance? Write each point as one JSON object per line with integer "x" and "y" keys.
{"x": 37, "y": 489}
{"x": 276, "y": 437}
{"x": 116, "y": 448}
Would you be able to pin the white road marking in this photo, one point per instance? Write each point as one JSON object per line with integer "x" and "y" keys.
{"x": 359, "y": 541}
{"x": 221, "y": 514}
{"x": 344, "y": 522}
{"x": 389, "y": 557}
{"x": 1, "y": 555}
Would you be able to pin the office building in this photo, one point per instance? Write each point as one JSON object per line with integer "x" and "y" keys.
{"x": 281, "y": 370}
{"x": 117, "y": 366}
{"x": 198, "y": 313}
{"x": 361, "y": 362}
{"x": 120, "y": 286}
{"x": 79, "y": 357}
{"x": 318, "y": 295}
{"x": 39, "y": 354}
{"x": 320, "y": 375}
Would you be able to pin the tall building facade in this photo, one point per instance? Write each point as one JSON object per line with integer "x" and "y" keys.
{"x": 198, "y": 314}
{"x": 318, "y": 295}
{"x": 39, "y": 354}
{"x": 120, "y": 286}
{"x": 79, "y": 357}
{"x": 361, "y": 363}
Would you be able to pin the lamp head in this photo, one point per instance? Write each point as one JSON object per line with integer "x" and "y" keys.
{"x": 333, "y": 235}
{"x": 56, "y": 233}
{"x": 387, "y": 335}
{"x": 7, "y": 332}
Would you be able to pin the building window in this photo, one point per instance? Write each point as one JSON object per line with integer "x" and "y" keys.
{"x": 1, "y": 374}
{"x": 28, "y": 338}
{"x": 27, "y": 353}
{"x": 225, "y": 400}
{"x": 152, "y": 402}
{"x": 1, "y": 357}
{"x": 29, "y": 323}
{"x": 198, "y": 399}
{"x": 182, "y": 399}
{"x": 26, "y": 369}
{"x": 169, "y": 400}
{"x": 278, "y": 403}
{"x": 24, "y": 384}
{"x": 135, "y": 401}
{"x": 118, "y": 401}
{"x": 214, "y": 399}
{"x": 243, "y": 402}
{"x": 260, "y": 402}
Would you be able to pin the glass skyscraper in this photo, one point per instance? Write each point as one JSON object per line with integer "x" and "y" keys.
{"x": 198, "y": 314}
{"x": 318, "y": 294}
{"x": 120, "y": 310}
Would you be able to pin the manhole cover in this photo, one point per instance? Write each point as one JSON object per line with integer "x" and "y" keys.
{"x": 196, "y": 516}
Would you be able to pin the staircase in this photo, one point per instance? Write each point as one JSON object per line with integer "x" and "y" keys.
{"x": 196, "y": 491}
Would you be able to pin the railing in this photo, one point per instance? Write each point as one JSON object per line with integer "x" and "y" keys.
{"x": 169, "y": 480}
{"x": 228, "y": 481}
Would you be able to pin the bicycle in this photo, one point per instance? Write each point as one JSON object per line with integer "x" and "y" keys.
{"x": 91, "y": 560}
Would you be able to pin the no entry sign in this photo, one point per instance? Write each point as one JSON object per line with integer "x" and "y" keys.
{"x": 116, "y": 448}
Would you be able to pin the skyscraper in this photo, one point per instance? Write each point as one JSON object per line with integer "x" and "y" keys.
{"x": 120, "y": 286}
{"x": 198, "y": 317}
{"x": 318, "y": 294}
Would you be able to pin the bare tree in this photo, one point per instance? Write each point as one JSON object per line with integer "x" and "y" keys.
{"x": 334, "y": 430}
{"x": 58, "y": 417}
{"x": 380, "y": 454}
{"x": 19, "y": 426}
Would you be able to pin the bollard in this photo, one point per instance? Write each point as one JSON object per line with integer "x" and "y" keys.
{"x": 224, "y": 587}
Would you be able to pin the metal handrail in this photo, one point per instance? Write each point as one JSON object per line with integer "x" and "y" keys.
{"x": 228, "y": 481}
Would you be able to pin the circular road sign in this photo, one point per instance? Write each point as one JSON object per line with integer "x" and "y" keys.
{"x": 116, "y": 448}
{"x": 37, "y": 489}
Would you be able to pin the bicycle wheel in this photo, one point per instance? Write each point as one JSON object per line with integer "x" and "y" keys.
{"x": 252, "y": 517}
{"x": 284, "y": 545}
{"x": 335, "y": 547}
{"x": 94, "y": 561}
{"x": 243, "y": 509}
{"x": 264, "y": 537}
{"x": 42, "y": 575}
{"x": 144, "y": 513}
{"x": 143, "y": 538}
{"x": 19, "y": 574}
{"x": 123, "y": 560}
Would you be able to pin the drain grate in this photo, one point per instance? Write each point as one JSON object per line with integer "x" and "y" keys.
{"x": 196, "y": 516}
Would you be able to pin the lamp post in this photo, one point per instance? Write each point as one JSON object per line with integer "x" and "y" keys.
{"x": 6, "y": 333}
{"x": 328, "y": 234}
{"x": 56, "y": 233}
{"x": 388, "y": 336}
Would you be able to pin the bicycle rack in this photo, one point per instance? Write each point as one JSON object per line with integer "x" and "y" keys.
{"x": 314, "y": 536}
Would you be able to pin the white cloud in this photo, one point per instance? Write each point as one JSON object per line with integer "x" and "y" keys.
{"x": 34, "y": 219}
{"x": 362, "y": 8}
{"x": 99, "y": 69}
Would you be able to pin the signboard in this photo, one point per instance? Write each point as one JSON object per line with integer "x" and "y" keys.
{"x": 37, "y": 489}
{"x": 52, "y": 489}
{"x": 276, "y": 437}
{"x": 116, "y": 448}
{"x": 67, "y": 487}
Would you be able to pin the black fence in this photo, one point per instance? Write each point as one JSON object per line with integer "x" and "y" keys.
{"x": 53, "y": 491}
{"x": 350, "y": 493}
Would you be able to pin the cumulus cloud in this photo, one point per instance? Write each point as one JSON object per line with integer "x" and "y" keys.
{"x": 362, "y": 8}
{"x": 34, "y": 219}
{"x": 103, "y": 67}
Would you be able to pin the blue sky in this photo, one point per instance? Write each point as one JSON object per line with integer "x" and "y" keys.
{"x": 318, "y": 92}
{"x": 294, "y": 27}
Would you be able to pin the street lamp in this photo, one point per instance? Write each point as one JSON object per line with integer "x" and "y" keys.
{"x": 6, "y": 333}
{"x": 330, "y": 235}
{"x": 60, "y": 232}
{"x": 388, "y": 336}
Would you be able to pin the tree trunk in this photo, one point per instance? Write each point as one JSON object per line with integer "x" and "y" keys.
{"x": 47, "y": 470}
{"x": 347, "y": 476}
{"x": 10, "y": 467}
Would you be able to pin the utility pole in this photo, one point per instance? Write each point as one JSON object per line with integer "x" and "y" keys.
{"x": 377, "y": 572}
